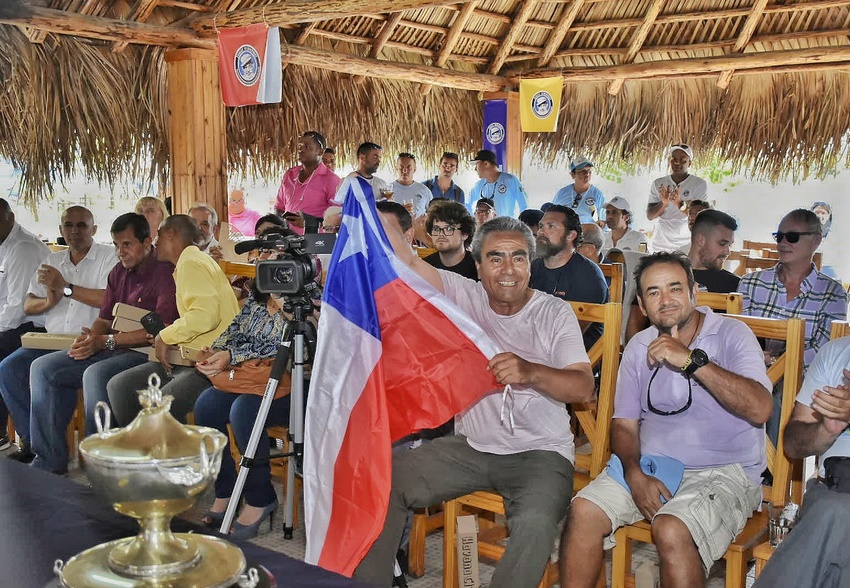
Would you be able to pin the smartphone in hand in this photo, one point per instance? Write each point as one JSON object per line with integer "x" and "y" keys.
{"x": 152, "y": 323}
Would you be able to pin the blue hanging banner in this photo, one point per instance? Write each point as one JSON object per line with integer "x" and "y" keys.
{"x": 496, "y": 129}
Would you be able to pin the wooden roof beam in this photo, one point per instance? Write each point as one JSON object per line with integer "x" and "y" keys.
{"x": 556, "y": 37}
{"x": 638, "y": 39}
{"x": 519, "y": 20}
{"x": 453, "y": 36}
{"x": 141, "y": 12}
{"x": 765, "y": 61}
{"x": 381, "y": 40}
{"x": 302, "y": 11}
{"x": 747, "y": 32}
{"x": 34, "y": 35}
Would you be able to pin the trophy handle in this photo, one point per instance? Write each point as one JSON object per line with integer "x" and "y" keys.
{"x": 206, "y": 465}
{"x": 103, "y": 423}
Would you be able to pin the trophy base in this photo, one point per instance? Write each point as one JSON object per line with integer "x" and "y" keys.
{"x": 221, "y": 565}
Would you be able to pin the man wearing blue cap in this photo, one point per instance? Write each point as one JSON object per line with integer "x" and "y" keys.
{"x": 503, "y": 188}
{"x": 583, "y": 197}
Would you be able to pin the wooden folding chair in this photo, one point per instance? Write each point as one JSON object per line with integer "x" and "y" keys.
{"x": 238, "y": 268}
{"x": 789, "y": 369}
{"x": 595, "y": 420}
{"x": 839, "y": 329}
{"x": 615, "y": 272}
{"x": 731, "y": 303}
{"x": 759, "y": 245}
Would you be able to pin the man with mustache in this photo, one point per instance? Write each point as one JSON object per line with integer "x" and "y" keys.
{"x": 711, "y": 239}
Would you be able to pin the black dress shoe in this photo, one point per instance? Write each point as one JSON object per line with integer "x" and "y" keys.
{"x": 23, "y": 455}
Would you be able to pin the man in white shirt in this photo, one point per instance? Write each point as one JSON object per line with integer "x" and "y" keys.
{"x": 20, "y": 254}
{"x": 413, "y": 195}
{"x": 66, "y": 293}
{"x": 667, "y": 196}
{"x": 618, "y": 218}
{"x": 368, "y": 162}
{"x": 207, "y": 219}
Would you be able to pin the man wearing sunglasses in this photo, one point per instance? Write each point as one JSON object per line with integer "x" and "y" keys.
{"x": 794, "y": 288}
{"x": 691, "y": 388}
{"x": 667, "y": 196}
{"x": 451, "y": 228}
{"x": 583, "y": 197}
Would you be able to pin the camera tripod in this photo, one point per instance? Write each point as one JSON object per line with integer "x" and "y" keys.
{"x": 297, "y": 336}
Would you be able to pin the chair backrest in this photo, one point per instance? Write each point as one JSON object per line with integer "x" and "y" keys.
{"x": 749, "y": 264}
{"x": 731, "y": 303}
{"x": 789, "y": 370}
{"x": 759, "y": 245}
{"x": 839, "y": 329}
{"x": 615, "y": 272}
{"x": 424, "y": 252}
{"x": 595, "y": 417}
{"x": 238, "y": 268}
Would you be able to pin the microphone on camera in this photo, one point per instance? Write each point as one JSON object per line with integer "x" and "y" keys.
{"x": 246, "y": 246}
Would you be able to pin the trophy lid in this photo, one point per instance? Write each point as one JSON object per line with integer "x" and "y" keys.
{"x": 153, "y": 435}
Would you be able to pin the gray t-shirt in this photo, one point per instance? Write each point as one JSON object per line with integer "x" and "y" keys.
{"x": 827, "y": 370}
{"x": 417, "y": 193}
{"x": 544, "y": 331}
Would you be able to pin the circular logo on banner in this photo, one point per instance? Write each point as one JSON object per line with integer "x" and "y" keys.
{"x": 542, "y": 104}
{"x": 495, "y": 133}
{"x": 246, "y": 64}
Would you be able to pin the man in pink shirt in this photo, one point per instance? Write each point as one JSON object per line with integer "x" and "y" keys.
{"x": 240, "y": 217}
{"x": 309, "y": 188}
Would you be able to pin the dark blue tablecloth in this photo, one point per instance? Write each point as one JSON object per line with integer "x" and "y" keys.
{"x": 45, "y": 517}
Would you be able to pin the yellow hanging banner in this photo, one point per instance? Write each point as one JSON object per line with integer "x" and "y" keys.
{"x": 540, "y": 103}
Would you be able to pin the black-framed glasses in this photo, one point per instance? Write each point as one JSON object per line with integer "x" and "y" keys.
{"x": 792, "y": 236}
{"x": 447, "y": 231}
{"x": 654, "y": 410}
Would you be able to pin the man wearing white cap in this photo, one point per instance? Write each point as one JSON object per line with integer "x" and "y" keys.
{"x": 587, "y": 200}
{"x": 667, "y": 196}
{"x": 618, "y": 218}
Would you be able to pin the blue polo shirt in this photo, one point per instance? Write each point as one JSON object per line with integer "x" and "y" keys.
{"x": 506, "y": 192}
{"x": 590, "y": 207}
{"x": 454, "y": 192}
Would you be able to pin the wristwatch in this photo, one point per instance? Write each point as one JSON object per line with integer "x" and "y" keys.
{"x": 696, "y": 359}
{"x": 68, "y": 290}
{"x": 110, "y": 342}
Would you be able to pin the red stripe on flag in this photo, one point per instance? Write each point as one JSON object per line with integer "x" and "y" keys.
{"x": 362, "y": 479}
{"x": 432, "y": 369}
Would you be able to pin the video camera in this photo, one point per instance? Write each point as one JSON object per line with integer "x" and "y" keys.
{"x": 295, "y": 272}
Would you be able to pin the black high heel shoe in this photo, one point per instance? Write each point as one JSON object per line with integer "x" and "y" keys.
{"x": 245, "y": 532}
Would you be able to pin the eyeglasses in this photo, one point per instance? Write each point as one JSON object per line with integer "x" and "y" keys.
{"x": 792, "y": 236}
{"x": 654, "y": 410}
{"x": 576, "y": 200}
{"x": 447, "y": 231}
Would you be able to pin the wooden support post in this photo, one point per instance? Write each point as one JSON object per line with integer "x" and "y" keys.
{"x": 197, "y": 130}
{"x": 513, "y": 132}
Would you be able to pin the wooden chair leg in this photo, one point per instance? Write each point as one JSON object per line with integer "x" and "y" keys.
{"x": 416, "y": 546}
{"x": 736, "y": 568}
{"x": 451, "y": 510}
{"x": 10, "y": 429}
{"x": 621, "y": 564}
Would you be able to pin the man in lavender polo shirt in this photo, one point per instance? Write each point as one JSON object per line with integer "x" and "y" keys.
{"x": 99, "y": 353}
{"x": 692, "y": 387}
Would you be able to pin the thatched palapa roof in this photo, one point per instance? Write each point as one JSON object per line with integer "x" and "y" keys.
{"x": 761, "y": 83}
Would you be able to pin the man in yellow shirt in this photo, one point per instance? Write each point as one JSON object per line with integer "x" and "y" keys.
{"x": 206, "y": 305}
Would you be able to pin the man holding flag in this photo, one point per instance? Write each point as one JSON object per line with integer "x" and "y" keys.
{"x": 502, "y": 356}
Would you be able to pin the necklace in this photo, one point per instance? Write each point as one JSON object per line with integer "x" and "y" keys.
{"x": 696, "y": 330}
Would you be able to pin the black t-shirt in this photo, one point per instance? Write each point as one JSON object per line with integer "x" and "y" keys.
{"x": 719, "y": 281}
{"x": 465, "y": 268}
{"x": 580, "y": 280}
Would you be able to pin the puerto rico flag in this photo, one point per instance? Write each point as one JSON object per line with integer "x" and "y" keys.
{"x": 394, "y": 356}
{"x": 250, "y": 66}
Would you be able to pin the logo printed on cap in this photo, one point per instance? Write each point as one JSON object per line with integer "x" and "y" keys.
{"x": 542, "y": 104}
{"x": 246, "y": 65}
{"x": 495, "y": 133}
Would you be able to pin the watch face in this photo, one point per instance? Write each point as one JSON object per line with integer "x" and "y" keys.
{"x": 68, "y": 290}
{"x": 699, "y": 357}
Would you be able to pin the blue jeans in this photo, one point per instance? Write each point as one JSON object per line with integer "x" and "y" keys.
{"x": 10, "y": 341}
{"x": 15, "y": 387}
{"x": 54, "y": 381}
{"x": 216, "y": 409}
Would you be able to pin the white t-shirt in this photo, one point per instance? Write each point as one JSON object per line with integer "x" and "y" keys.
{"x": 544, "y": 331}
{"x": 20, "y": 255}
{"x": 629, "y": 242}
{"x": 377, "y": 185}
{"x": 827, "y": 370}
{"x": 69, "y": 315}
{"x": 416, "y": 193}
{"x": 671, "y": 227}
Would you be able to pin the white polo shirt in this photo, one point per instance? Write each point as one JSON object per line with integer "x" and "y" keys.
{"x": 20, "y": 255}
{"x": 671, "y": 227}
{"x": 69, "y": 315}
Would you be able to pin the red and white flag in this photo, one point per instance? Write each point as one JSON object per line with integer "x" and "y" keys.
{"x": 250, "y": 66}
{"x": 394, "y": 356}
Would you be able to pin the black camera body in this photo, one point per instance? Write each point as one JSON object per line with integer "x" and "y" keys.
{"x": 295, "y": 272}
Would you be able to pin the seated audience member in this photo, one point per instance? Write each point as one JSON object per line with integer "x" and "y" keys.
{"x": 591, "y": 243}
{"x": 206, "y": 305}
{"x": 451, "y": 228}
{"x": 329, "y": 158}
{"x": 794, "y": 288}
{"x": 560, "y": 272}
{"x": 694, "y": 207}
{"x": 618, "y": 218}
{"x": 712, "y": 236}
{"x": 815, "y": 552}
{"x": 332, "y": 219}
{"x": 207, "y": 219}
{"x": 138, "y": 279}
{"x": 484, "y": 211}
{"x": 241, "y": 218}
{"x": 398, "y": 216}
{"x": 154, "y": 210}
{"x": 531, "y": 217}
{"x": 691, "y": 388}
{"x": 442, "y": 185}
{"x": 255, "y": 333}
{"x": 529, "y": 463}
{"x": 67, "y": 291}
{"x": 413, "y": 195}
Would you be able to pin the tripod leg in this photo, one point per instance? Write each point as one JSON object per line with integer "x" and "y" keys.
{"x": 296, "y": 431}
